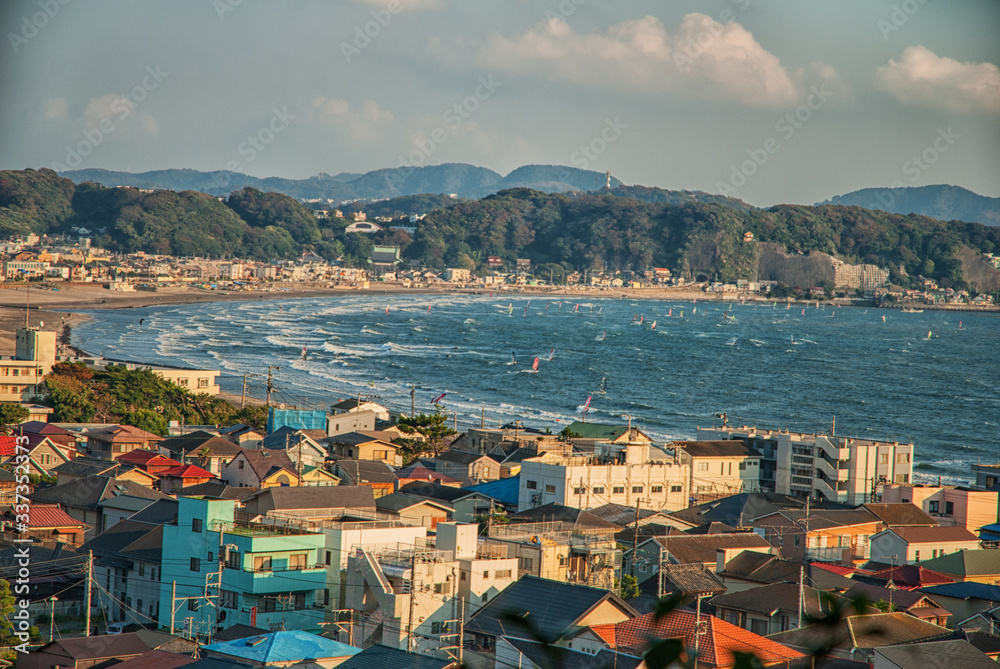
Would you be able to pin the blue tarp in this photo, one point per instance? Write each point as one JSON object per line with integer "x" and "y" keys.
{"x": 300, "y": 419}
{"x": 504, "y": 491}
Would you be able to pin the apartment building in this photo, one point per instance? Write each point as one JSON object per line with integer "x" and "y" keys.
{"x": 411, "y": 597}
{"x": 718, "y": 468}
{"x": 616, "y": 473}
{"x": 21, "y": 375}
{"x": 839, "y": 469}
{"x": 950, "y": 505}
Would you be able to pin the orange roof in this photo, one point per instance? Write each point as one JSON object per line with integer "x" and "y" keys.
{"x": 50, "y": 515}
{"x": 144, "y": 457}
{"x": 187, "y": 472}
{"x": 717, "y": 644}
{"x": 8, "y": 446}
{"x": 606, "y": 632}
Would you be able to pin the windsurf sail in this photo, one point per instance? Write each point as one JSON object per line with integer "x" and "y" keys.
{"x": 654, "y": 325}
{"x": 428, "y": 308}
{"x": 670, "y": 312}
{"x": 576, "y": 308}
{"x": 604, "y": 384}
{"x": 551, "y": 353}
{"x": 604, "y": 335}
{"x": 387, "y": 310}
{"x": 439, "y": 398}
{"x": 304, "y": 352}
{"x": 525, "y": 311}
{"x": 586, "y": 405}
{"x": 534, "y": 365}
{"x": 641, "y": 319}
{"x": 513, "y": 358}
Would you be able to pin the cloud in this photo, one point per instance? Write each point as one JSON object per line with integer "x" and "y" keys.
{"x": 54, "y": 109}
{"x": 118, "y": 109}
{"x": 703, "y": 59}
{"x": 363, "y": 124}
{"x": 923, "y": 79}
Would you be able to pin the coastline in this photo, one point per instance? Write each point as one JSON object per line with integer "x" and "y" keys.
{"x": 59, "y": 309}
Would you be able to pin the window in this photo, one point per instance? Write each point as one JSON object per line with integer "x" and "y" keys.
{"x": 618, "y": 490}
{"x": 138, "y": 605}
{"x": 182, "y": 382}
{"x": 656, "y": 488}
{"x": 326, "y": 596}
{"x": 203, "y": 383}
{"x": 228, "y": 599}
{"x": 916, "y": 555}
{"x": 210, "y": 556}
{"x": 486, "y": 573}
{"x": 233, "y": 561}
{"x": 579, "y": 490}
{"x": 531, "y": 485}
{"x": 297, "y": 561}
{"x": 240, "y": 466}
{"x": 486, "y": 597}
{"x": 797, "y": 540}
{"x": 525, "y": 563}
{"x": 502, "y": 573}
{"x": 759, "y": 627}
{"x": 883, "y": 458}
{"x": 636, "y": 489}
{"x": 439, "y": 628}
{"x": 933, "y": 506}
{"x": 562, "y": 561}
{"x": 381, "y": 455}
{"x": 949, "y": 508}
{"x": 550, "y": 489}
{"x": 463, "y": 576}
{"x": 902, "y": 458}
{"x": 262, "y": 563}
{"x": 598, "y": 490}
{"x": 328, "y": 557}
{"x": 195, "y": 564}
{"x": 193, "y": 604}
{"x": 152, "y": 573}
{"x": 743, "y": 466}
{"x": 902, "y": 478}
{"x": 676, "y": 488}
{"x": 142, "y": 569}
{"x": 703, "y": 466}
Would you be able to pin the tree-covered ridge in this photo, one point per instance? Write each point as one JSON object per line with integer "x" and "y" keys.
{"x": 33, "y": 201}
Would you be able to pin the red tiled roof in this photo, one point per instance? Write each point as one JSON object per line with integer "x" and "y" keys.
{"x": 144, "y": 457}
{"x": 50, "y": 515}
{"x": 7, "y": 446}
{"x": 187, "y": 472}
{"x": 717, "y": 644}
{"x": 912, "y": 576}
{"x": 834, "y": 568}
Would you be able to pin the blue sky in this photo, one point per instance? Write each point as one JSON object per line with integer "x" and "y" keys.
{"x": 769, "y": 101}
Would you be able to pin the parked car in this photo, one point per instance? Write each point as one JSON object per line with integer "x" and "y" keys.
{"x": 122, "y": 628}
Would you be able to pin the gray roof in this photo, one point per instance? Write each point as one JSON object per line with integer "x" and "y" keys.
{"x": 955, "y": 653}
{"x": 366, "y": 471}
{"x": 688, "y": 548}
{"x": 159, "y": 512}
{"x": 147, "y": 548}
{"x": 87, "y": 492}
{"x": 769, "y": 599}
{"x": 355, "y": 438}
{"x": 558, "y": 656}
{"x": 215, "y": 490}
{"x": 385, "y": 657}
{"x": 86, "y": 466}
{"x": 459, "y": 457}
{"x": 737, "y": 510}
{"x": 765, "y": 568}
{"x": 126, "y": 503}
{"x": 567, "y": 514}
{"x": 318, "y": 497}
{"x": 111, "y": 541}
{"x": 620, "y": 514}
{"x": 398, "y": 501}
{"x": 548, "y": 608}
{"x": 901, "y": 599}
{"x": 441, "y": 493}
{"x": 715, "y": 449}
{"x": 189, "y": 442}
{"x": 820, "y": 519}
{"x": 264, "y": 460}
{"x": 687, "y": 580}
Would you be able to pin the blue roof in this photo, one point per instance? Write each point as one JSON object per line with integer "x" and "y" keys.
{"x": 965, "y": 590}
{"x": 504, "y": 491}
{"x": 290, "y": 646}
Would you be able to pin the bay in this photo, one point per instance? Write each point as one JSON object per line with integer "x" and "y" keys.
{"x": 763, "y": 365}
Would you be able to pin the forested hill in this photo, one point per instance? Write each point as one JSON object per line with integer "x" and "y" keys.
{"x": 948, "y": 203}
{"x": 557, "y": 232}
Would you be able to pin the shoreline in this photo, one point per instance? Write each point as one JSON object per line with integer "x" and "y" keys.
{"x": 66, "y": 303}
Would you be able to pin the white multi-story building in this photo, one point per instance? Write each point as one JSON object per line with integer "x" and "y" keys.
{"x": 838, "y": 469}
{"x": 627, "y": 475}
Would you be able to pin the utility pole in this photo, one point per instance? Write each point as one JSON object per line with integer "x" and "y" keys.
{"x": 173, "y": 604}
{"x": 243, "y": 399}
{"x": 86, "y": 593}
{"x": 413, "y": 596}
{"x": 52, "y": 616}
{"x": 270, "y": 384}
{"x": 635, "y": 539}
{"x": 697, "y": 630}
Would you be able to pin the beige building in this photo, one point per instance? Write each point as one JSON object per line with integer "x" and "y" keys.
{"x": 718, "y": 468}
{"x": 34, "y": 355}
{"x": 910, "y": 545}
{"x": 950, "y": 505}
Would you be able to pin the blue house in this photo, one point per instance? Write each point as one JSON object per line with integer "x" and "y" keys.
{"x": 217, "y": 572}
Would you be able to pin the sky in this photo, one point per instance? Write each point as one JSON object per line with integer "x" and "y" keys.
{"x": 770, "y": 101}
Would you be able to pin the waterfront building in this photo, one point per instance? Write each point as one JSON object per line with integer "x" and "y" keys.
{"x": 21, "y": 375}
{"x": 718, "y": 468}
{"x": 838, "y": 469}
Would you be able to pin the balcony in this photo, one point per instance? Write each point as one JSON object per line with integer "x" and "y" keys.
{"x": 831, "y": 472}
{"x": 848, "y": 554}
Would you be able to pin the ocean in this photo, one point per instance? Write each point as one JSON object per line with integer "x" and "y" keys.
{"x": 917, "y": 378}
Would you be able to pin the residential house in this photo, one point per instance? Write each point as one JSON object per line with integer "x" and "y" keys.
{"x": 981, "y": 566}
{"x": 558, "y": 550}
{"x": 839, "y": 535}
{"x": 8, "y": 488}
{"x": 963, "y": 600}
{"x": 770, "y": 608}
{"x": 525, "y": 654}
{"x": 718, "y": 643}
{"x": 81, "y": 498}
{"x": 914, "y": 602}
{"x": 421, "y": 474}
{"x": 157, "y": 659}
{"x": 127, "y": 567}
{"x": 304, "y": 448}
{"x": 278, "y": 650}
{"x": 530, "y": 600}
{"x": 901, "y": 514}
{"x": 364, "y": 446}
{"x": 951, "y": 653}
{"x": 570, "y": 517}
{"x": 685, "y": 581}
{"x": 113, "y": 510}
{"x": 151, "y": 462}
{"x": 855, "y": 637}
{"x": 970, "y": 508}
{"x": 380, "y": 656}
{"x": 351, "y": 421}
{"x": 738, "y": 511}
{"x": 504, "y": 491}
{"x": 908, "y": 544}
{"x": 58, "y": 435}
{"x": 204, "y": 449}
{"x": 101, "y": 651}
{"x": 467, "y": 504}
{"x": 82, "y": 467}
{"x": 469, "y": 468}
{"x": 628, "y": 476}
{"x": 111, "y": 442}
{"x": 259, "y": 468}
{"x": 183, "y": 476}
{"x": 833, "y": 468}
{"x": 752, "y": 569}
{"x": 44, "y": 455}
{"x": 242, "y": 435}
{"x": 271, "y": 575}
{"x": 383, "y": 583}
{"x": 718, "y": 468}
{"x": 359, "y": 406}
{"x": 414, "y": 510}
{"x": 375, "y": 474}
{"x": 45, "y": 522}
{"x": 645, "y": 560}
{"x": 907, "y": 577}
{"x": 310, "y": 502}
{"x": 317, "y": 476}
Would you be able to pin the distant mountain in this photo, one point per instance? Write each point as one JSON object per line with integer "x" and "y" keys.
{"x": 943, "y": 202}
{"x": 463, "y": 180}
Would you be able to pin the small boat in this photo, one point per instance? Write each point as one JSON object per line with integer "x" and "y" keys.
{"x": 534, "y": 365}
{"x": 911, "y": 310}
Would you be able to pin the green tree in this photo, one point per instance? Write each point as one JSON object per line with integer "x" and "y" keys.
{"x": 433, "y": 427}
{"x": 6, "y": 611}
{"x": 11, "y": 413}
{"x": 629, "y": 587}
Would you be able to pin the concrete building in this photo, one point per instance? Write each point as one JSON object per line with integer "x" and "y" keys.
{"x": 950, "y": 505}
{"x": 911, "y": 544}
{"x": 718, "y": 468}
{"x": 838, "y": 469}
{"x": 21, "y": 375}
{"x": 629, "y": 476}
{"x": 865, "y": 277}
{"x": 422, "y": 589}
